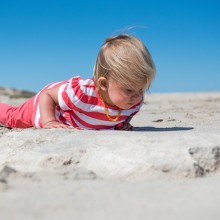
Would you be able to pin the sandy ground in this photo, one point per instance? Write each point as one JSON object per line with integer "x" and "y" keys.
{"x": 167, "y": 168}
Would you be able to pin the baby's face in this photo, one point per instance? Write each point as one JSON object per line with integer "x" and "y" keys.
{"x": 122, "y": 96}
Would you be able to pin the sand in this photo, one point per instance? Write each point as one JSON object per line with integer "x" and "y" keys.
{"x": 167, "y": 168}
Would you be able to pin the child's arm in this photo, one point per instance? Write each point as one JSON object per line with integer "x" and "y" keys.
{"x": 126, "y": 126}
{"x": 47, "y": 102}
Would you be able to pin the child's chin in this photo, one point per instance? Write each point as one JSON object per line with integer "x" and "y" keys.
{"x": 127, "y": 106}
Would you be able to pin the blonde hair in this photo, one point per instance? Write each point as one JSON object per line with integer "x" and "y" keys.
{"x": 126, "y": 60}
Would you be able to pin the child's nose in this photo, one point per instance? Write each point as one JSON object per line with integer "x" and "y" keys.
{"x": 137, "y": 95}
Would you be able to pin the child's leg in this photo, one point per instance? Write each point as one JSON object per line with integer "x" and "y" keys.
{"x": 17, "y": 117}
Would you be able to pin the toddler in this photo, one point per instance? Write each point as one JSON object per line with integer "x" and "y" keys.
{"x": 123, "y": 71}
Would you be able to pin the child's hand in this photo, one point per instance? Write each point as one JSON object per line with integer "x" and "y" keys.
{"x": 55, "y": 124}
{"x": 126, "y": 127}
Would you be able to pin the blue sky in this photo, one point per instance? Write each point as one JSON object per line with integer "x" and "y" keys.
{"x": 43, "y": 41}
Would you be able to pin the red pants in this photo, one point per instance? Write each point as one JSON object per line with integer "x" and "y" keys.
{"x": 17, "y": 117}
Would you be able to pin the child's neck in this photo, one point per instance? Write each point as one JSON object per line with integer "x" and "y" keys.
{"x": 104, "y": 95}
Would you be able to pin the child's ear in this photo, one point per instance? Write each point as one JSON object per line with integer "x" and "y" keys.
{"x": 103, "y": 83}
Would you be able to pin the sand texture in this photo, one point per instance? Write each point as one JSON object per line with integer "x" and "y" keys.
{"x": 167, "y": 168}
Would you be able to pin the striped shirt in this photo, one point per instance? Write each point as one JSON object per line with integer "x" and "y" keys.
{"x": 80, "y": 106}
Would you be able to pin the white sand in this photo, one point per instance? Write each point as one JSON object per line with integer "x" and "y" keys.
{"x": 168, "y": 168}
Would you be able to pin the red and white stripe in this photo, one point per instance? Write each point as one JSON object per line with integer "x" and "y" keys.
{"x": 81, "y": 107}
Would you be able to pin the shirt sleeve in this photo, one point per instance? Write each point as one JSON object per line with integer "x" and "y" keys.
{"x": 129, "y": 118}
{"x": 70, "y": 94}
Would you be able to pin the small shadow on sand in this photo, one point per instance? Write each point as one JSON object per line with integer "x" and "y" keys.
{"x": 162, "y": 129}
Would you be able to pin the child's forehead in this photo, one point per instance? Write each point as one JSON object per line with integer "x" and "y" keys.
{"x": 132, "y": 86}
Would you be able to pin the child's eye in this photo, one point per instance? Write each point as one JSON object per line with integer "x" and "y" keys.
{"x": 128, "y": 91}
{"x": 131, "y": 92}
